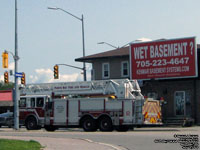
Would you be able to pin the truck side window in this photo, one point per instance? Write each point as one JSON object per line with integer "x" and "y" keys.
{"x": 50, "y": 105}
{"x": 28, "y": 102}
{"x": 22, "y": 102}
{"x": 33, "y": 102}
{"x": 40, "y": 102}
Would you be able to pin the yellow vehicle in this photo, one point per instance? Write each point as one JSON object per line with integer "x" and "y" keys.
{"x": 152, "y": 112}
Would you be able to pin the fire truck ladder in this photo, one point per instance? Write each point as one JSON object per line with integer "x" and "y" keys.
{"x": 121, "y": 88}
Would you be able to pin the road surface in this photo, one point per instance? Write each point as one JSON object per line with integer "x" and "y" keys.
{"x": 162, "y": 138}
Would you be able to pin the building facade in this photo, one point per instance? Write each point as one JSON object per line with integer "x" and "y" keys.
{"x": 6, "y": 101}
{"x": 182, "y": 96}
{"x": 112, "y": 64}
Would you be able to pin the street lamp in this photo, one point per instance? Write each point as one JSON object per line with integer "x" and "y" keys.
{"x": 118, "y": 46}
{"x": 83, "y": 37}
{"x": 108, "y": 44}
{"x": 16, "y": 93}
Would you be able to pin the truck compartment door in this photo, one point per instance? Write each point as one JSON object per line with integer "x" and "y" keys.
{"x": 128, "y": 112}
{"x": 60, "y": 112}
{"x": 74, "y": 106}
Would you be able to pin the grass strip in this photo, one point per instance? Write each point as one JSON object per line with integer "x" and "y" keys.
{"x": 6, "y": 144}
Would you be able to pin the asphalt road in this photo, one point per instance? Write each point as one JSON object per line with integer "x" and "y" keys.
{"x": 161, "y": 138}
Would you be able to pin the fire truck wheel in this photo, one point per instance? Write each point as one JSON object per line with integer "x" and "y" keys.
{"x": 89, "y": 124}
{"x": 105, "y": 124}
{"x": 31, "y": 123}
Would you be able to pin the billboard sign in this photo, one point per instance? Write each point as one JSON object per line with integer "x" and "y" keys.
{"x": 175, "y": 58}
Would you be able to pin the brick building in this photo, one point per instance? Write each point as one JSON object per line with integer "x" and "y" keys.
{"x": 182, "y": 95}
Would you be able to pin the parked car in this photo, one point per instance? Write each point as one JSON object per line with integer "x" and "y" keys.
{"x": 6, "y": 119}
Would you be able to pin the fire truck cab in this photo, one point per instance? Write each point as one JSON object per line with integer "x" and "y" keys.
{"x": 32, "y": 110}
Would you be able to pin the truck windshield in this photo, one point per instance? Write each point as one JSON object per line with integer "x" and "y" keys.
{"x": 22, "y": 102}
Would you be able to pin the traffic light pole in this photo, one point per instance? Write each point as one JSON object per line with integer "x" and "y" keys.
{"x": 70, "y": 66}
{"x": 16, "y": 94}
{"x": 56, "y": 72}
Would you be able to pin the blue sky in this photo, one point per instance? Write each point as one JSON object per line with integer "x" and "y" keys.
{"x": 48, "y": 37}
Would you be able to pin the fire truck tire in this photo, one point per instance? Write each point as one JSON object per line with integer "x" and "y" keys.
{"x": 105, "y": 124}
{"x": 31, "y": 123}
{"x": 89, "y": 124}
{"x": 50, "y": 128}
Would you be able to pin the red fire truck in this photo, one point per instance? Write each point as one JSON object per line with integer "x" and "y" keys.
{"x": 92, "y": 105}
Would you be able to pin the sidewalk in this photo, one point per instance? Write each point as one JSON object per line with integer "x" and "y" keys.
{"x": 65, "y": 144}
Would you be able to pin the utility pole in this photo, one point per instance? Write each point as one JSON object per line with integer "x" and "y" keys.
{"x": 16, "y": 93}
{"x": 83, "y": 39}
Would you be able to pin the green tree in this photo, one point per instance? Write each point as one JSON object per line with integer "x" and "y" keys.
{"x": 8, "y": 86}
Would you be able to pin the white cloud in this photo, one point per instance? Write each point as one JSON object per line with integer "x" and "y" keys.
{"x": 70, "y": 77}
{"x": 41, "y": 75}
{"x": 11, "y": 66}
{"x": 143, "y": 39}
{"x": 46, "y": 76}
{"x": 2, "y": 78}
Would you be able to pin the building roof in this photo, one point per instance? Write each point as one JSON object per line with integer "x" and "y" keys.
{"x": 119, "y": 52}
{"x": 6, "y": 95}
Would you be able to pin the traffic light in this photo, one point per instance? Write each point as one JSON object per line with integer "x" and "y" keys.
{"x": 5, "y": 59}
{"x": 56, "y": 73}
{"x": 6, "y": 77}
{"x": 23, "y": 79}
